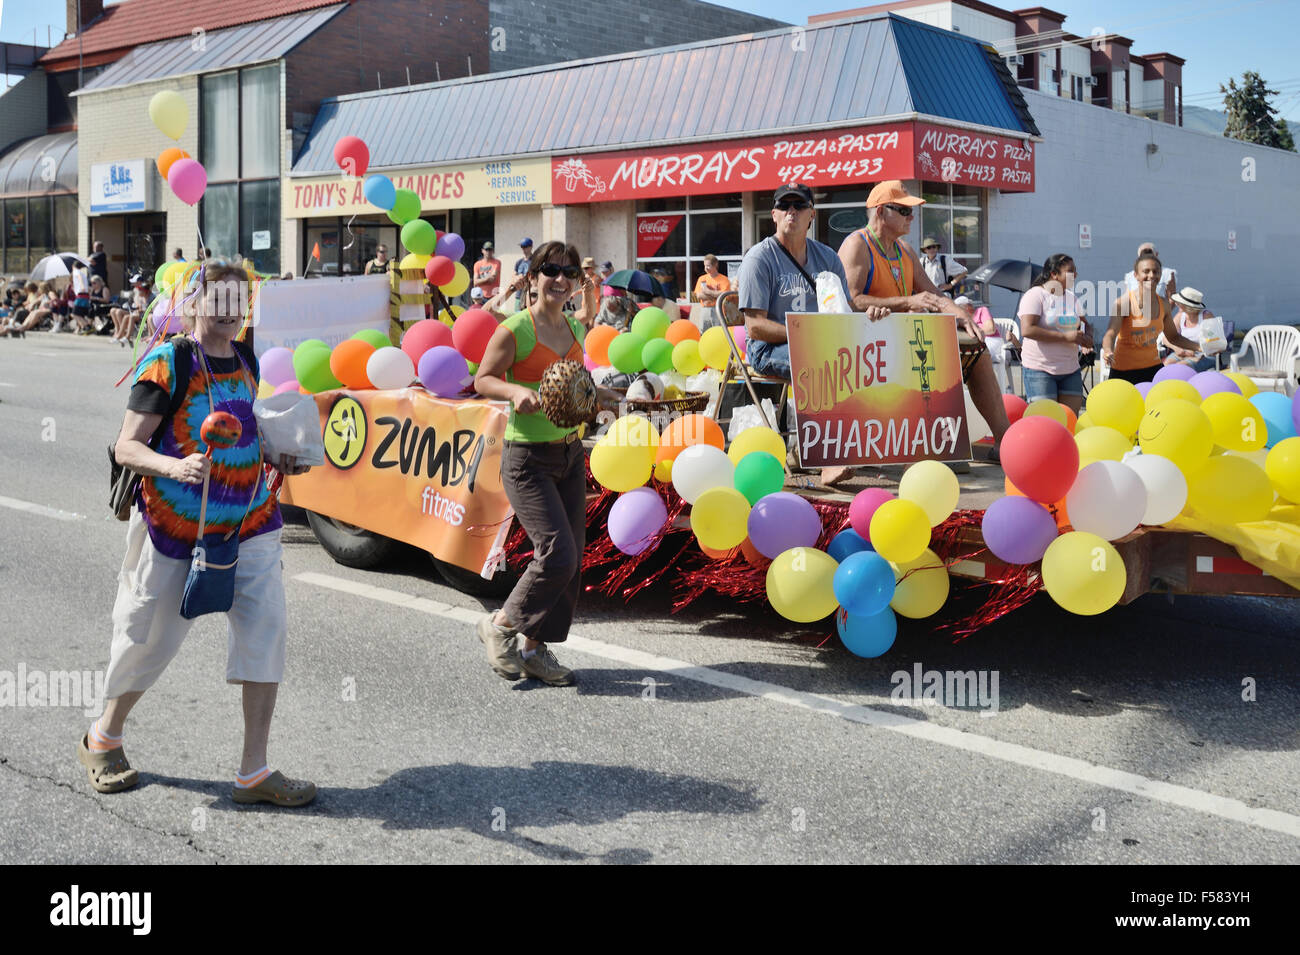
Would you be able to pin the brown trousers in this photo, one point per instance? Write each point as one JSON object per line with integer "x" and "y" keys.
{"x": 547, "y": 487}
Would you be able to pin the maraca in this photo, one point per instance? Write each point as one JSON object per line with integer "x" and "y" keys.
{"x": 220, "y": 429}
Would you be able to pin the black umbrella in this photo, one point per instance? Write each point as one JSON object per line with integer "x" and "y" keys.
{"x": 1015, "y": 274}
{"x": 634, "y": 280}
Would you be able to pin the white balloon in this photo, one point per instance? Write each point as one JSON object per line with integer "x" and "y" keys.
{"x": 700, "y": 468}
{"x": 390, "y": 367}
{"x": 1108, "y": 499}
{"x": 1165, "y": 484}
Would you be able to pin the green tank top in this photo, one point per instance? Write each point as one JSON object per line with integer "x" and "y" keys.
{"x": 527, "y": 371}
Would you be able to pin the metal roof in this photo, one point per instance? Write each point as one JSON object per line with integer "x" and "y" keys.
{"x": 24, "y": 169}
{"x": 222, "y": 49}
{"x": 835, "y": 74}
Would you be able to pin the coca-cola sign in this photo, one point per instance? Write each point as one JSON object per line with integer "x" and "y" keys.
{"x": 652, "y": 232}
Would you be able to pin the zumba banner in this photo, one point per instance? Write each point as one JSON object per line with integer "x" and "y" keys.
{"x": 413, "y": 467}
{"x": 886, "y": 392}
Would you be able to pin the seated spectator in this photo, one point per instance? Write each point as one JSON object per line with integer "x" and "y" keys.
{"x": 100, "y": 306}
{"x": 616, "y": 310}
{"x": 1191, "y": 309}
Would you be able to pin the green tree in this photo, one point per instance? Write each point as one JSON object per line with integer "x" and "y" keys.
{"x": 1251, "y": 118}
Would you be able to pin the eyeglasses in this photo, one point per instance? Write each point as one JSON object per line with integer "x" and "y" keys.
{"x": 905, "y": 211}
{"x": 799, "y": 204}
{"x": 553, "y": 270}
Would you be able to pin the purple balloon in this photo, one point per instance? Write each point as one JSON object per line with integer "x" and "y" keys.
{"x": 277, "y": 365}
{"x": 443, "y": 371}
{"x": 1212, "y": 382}
{"x": 1180, "y": 371}
{"x": 1143, "y": 387}
{"x": 782, "y": 520}
{"x": 1295, "y": 409}
{"x": 635, "y": 518}
{"x": 452, "y": 246}
{"x": 1018, "y": 530}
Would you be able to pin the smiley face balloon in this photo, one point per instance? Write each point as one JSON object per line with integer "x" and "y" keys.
{"x": 1177, "y": 430}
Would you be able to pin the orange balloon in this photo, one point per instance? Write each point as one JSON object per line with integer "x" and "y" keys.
{"x": 1071, "y": 419}
{"x": 1057, "y": 510}
{"x": 717, "y": 554}
{"x": 753, "y": 555}
{"x": 688, "y": 430}
{"x": 681, "y": 330}
{"x": 348, "y": 362}
{"x": 596, "y": 344}
{"x": 167, "y": 157}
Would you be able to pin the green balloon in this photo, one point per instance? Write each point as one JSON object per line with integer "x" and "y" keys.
{"x": 311, "y": 366}
{"x": 405, "y": 207}
{"x": 658, "y": 355}
{"x": 419, "y": 237}
{"x": 650, "y": 323}
{"x": 625, "y": 352}
{"x": 310, "y": 344}
{"x": 373, "y": 336}
{"x": 759, "y": 474}
{"x": 473, "y": 367}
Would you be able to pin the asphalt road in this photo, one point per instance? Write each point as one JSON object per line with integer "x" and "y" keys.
{"x": 720, "y": 734}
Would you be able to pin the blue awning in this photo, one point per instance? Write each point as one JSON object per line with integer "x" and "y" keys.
{"x": 836, "y": 74}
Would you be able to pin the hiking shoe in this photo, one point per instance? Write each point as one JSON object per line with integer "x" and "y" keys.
{"x": 502, "y": 654}
{"x": 543, "y": 666}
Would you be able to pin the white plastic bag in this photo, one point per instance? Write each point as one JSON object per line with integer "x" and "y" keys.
{"x": 289, "y": 425}
{"x": 830, "y": 294}
{"x": 1212, "y": 339}
{"x": 748, "y": 416}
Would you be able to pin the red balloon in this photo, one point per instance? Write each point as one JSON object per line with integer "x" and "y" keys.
{"x": 422, "y": 336}
{"x": 1015, "y": 406}
{"x": 352, "y": 155}
{"x": 472, "y": 331}
{"x": 221, "y": 429}
{"x": 440, "y": 270}
{"x": 1040, "y": 458}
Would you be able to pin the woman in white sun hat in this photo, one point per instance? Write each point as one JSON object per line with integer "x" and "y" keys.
{"x": 1190, "y": 319}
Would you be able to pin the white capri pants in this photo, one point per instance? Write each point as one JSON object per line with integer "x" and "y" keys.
{"x": 148, "y": 627}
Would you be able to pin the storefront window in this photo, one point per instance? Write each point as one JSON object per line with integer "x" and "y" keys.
{"x": 259, "y": 93}
{"x": 259, "y": 224}
{"x": 675, "y": 234}
{"x": 954, "y": 215}
{"x": 221, "y": 219}
{"x": 219, "y": 126}
{"x": 326, "y": 237}
{"x": 65, "y": 222}
{"x": 38, "y": 226}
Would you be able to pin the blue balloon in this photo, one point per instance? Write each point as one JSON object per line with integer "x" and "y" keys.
{"x": 380, "y": 191}
{"x": 864, "y": 583}
{"x": 847, "y": 541}
{"x": 867, "y": 636}
{"x": 1276, "y": 409}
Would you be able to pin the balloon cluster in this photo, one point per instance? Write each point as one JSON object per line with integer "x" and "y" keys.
{"x": 656, "y": 344}
{"x": 183, "y": 173}
{"x": 442, "y": 359}
{"x": 1139, "y": 455}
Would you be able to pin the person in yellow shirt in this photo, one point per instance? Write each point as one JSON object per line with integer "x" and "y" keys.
{"x": 712, "y": 283}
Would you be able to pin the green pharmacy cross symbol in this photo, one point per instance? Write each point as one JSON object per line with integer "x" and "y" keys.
{"x": 922, "y": 362}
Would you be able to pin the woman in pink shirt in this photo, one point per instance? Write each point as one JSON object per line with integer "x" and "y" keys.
{"x": 1052, "y": 327}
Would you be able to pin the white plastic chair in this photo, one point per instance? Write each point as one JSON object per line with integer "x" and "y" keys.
{"x": 1275, "y": 350}
{"x": 1007, "y": 328}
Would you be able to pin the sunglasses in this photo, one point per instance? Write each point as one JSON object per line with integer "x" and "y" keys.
{"x": 905, "y": 211}
{"x": 799, "y": 204}
{"x": 553, "y": 270}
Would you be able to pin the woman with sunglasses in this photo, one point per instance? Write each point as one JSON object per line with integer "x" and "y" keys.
{"x": 543, "y": 469}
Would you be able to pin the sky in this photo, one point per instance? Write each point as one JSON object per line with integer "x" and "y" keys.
{"x": 1218, "y": 38}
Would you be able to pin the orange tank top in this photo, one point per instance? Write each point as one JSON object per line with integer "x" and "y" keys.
{"x": 887, "y": 276}
{"x": 1135, "y": 346}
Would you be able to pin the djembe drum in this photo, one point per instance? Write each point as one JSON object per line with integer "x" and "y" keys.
{"x": 567, "y": 394}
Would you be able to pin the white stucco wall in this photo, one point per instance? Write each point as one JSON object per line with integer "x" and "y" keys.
{"x": 1093, "y": 167}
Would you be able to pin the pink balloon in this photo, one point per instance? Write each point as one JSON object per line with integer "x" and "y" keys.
{"x": 864, "y": 506}
{"x": 592, "y": 366}
{"x": 738, "y": 333}
{"x": 188, "y": 180}
{"x": 289, "y": 386}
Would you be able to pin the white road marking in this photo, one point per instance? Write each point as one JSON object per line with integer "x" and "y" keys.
{"x": 40, "y": 509}
{"x": 1077, "y": 769}
{"x": 7, "y": 384}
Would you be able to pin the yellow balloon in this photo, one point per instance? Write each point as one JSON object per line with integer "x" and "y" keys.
{"x": 1049, "y": 408}
{"x": 411, "y": 262}
{"x": 1101, "y": 443}
{"x": 720, "y": 518}
{"x": 449, "y": 318}
{"x": 1248, "y": 388}
{"x": 1083, "y": 573}
{"x": 686, "y": 357}
{"x": 922, "y": 586}
{"x": 1179, "y": 431}
{"x": 1230, "y": 490}
{"x": 1116, "y": 403}
{"x": 174, "y": 272}
{"x": 624, "y": 457}
{"x": 757, "y": 439}
{"x": 934, "y": 486}
{"x": 265, "y": 389}
{"x": 1172, "y": 388}
{"x": 900, "y": 531}
{"x": 1283, "y": 469}
{"x": 664, "y": 471}
{"x": 633, "y": 431}
{"x": 800, "y": 584}
{"x": 715, "y": 347}
{"x": 1237, "y": 424}
{"x": 459, "y": 282}
{"x": 1085, "y": 421}
{"x": 169, "y": 113}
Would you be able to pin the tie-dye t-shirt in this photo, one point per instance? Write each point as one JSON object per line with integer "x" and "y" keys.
{"x": 171, "y": 508}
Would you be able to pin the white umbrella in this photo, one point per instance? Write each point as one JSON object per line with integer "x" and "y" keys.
{"x": 55, "y": 266}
